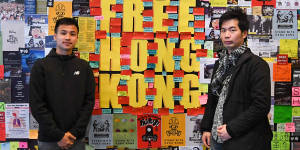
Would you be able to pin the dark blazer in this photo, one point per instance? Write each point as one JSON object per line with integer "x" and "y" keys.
{"x": 246, "y": 106}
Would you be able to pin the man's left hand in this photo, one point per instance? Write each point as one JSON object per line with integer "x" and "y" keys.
{"x": 222, "y": 133}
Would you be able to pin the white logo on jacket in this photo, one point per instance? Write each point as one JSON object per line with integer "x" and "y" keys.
{"x": 76, "y": 72}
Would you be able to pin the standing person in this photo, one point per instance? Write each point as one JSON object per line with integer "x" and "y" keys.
{"x": 239, "y": 96}
{"x": 62, "y": 92}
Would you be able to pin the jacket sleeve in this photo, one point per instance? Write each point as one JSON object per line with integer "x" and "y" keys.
{"x": 38, "y": 104}
{"x": 260, "y": 96}
{"x": 78, "y": 130}
{"x": 207, "y": 121}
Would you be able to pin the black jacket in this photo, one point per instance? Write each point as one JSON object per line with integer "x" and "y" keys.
{"x": 62, "y": 96}
{"x": 246, "y": 106}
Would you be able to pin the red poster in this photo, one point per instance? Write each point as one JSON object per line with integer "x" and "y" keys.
{"x": 2, "y": 126}
{"x": 149, "y": 131}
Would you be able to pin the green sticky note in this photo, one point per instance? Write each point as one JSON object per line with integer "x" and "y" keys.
{"x": 122, "y": 93}
{"x": 282, "y": 114}
{"x": 275, "y": 145}
{"x": 2, "y": 106}
{"x": 203, "y": 87}
{"x": 89, "y": 147}
{"x": 210, "y": 54}
{"x": 284, "y": 145}
{"x": 14, "y": 145}
{"x": 296, "y": 111}
{"x": 281, "y": 127}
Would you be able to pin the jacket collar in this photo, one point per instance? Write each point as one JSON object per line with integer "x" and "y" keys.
{"x": 53, "y": 53}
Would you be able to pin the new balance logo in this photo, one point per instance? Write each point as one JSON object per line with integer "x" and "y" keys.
{"x": 76, "y": 73}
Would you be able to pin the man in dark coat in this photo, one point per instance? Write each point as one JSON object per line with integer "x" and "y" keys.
{"x": 239, "y": 96}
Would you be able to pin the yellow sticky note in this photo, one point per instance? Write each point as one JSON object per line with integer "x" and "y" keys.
{"x": 203, "y": 87}
{"x": 14, "y": 145}
{"x": 85, "y": 56}
{"x": 296, "y": 111}
{"x": 269, "y": 59}
{"x": 289, "y": 46}
{"x": 218, "y": 3}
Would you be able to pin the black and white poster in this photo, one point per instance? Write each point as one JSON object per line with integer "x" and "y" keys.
{"x": 285, "y": 24}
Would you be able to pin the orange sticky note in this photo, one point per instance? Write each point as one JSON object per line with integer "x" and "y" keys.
{"x": 178, "y": 52}
{"x": 115, "y": 29}
{"x": 127, "y": 109}
{"x": 124, "y": 61}
{"x": 161, "y": 34}
{"x": 168, "y": 22}
{"x": 126, "y": 72}
{"x": 97, "y": 112}
{"x": 152, "y": 59}
{"x": 178, "y": 109}
{"x": 199, "y": 24}
{"x": 123, "y": 100}
{"x": 171, "y": 9}
{"x": 152, "y": 46}
{"x": 199, "y": 35}
{"x": 150, "y": 91}
{"x": 125, "y": 50}
{"x": 115, "y": 21}
{"x": 100, "y": 34}
{"x": 173, "y": 34}
{"x": 282, "y": 73}
{"x": 117, "y": 8}
{"x": 198, "y": 11}
{"x": 1, "y": 71}
{"x": 95, "y": 11}
{"x": 95, "y": 3}
{"x": 147, "y": 24}
{"x": 185, "y": 35}
{"x": 149, "y": 73}
{"x": 178, "y": 73}
{"x": 122, "y": 88}
{"x": 201, "y": 52}
{"x": 148, "y": 13}
{"x": 177, "y": 91}
{"x": 163, "y": 111}
{"x": 94, "y": 57}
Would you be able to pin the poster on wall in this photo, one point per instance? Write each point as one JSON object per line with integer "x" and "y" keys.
{"x": 17, "y": 120}
{"x": 149, "y": 131}
{"x": 193, "y": 133}
{"x": 2, "y": 122}
{"x": 206, "y": 69}
{"x": 100, "y": 133}
{"x": 36, "y": 28}
{"x": 59, "y": 10}
{"x": 12, "y": 64}
{"x": 285, "y": 24}
{"x": 5, "y": 90}
{"x": 12, "y": 35}
{"x": 125, "y": 131}
{"x": 12, "y": 10}
{"x": 173, "y": 130}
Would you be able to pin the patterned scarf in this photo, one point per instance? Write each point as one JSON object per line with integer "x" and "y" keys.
{"x": 220, "y": 83}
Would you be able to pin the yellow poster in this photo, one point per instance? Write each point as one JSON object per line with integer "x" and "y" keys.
{"x": 86, "y": 36}
{"x": 59, "y": 10}
{"x": 173, "y": 130}
{"x": 289, "y": 46}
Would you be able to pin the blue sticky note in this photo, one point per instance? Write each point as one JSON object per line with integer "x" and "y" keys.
{"x": 191, "y": 10}
{"x": 125, "y": 67}
{"x": 177, "y": 65}
{"x": 119, "y": 15}
{"x": 150, "y": 97}
{"x": 106, "y": 111}
{"x": 198, "y": 58}
{"x": 199, "y": 17}
{"x": 5, "y": 146}
{"x": 175, "y": 23}
{"x": 115, "y": 35}
{"x": 123, "y": 82}
{"x": 171, "y": 111}
{"x": 147, "y": 18}
{"x": 177, "y": 58}
{"x": 174, "y": 3}
{"x": 98, "y": 22}
{"x": 164, "y": 73}
{"x": 147, "y": 4}
{"x": 118, "y": 110}
{"x": 172, "y": 28}
{"x": 150, "y": 66}
{"x": 199, "y": 29}
{"x": 152, "y": 52}
{"x": 199, "y": 41}
{"x": 148, "y": 29}
{"x": 173, "y": 16}
{"x": 94, "y": 64}
{"x": 148, "y": 80}
{"x": 177, "y": 79}
{"x": 108, "y": 34}
{"x": 119, "y": 1}
{"x": 97, "y": 47}
{"x": 173, "y": 40}
{"x": 155, "y": 111}
{"x": 191, "y": 24}
{"x": 177, "y": 98}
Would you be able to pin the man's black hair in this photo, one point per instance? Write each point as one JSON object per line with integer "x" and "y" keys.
{"x": 66, "y": 21}
{"x": 235, "y": 13}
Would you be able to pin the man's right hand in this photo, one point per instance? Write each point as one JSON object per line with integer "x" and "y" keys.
{"x": 67, "y": 141}
{"x": 206, "y": 139}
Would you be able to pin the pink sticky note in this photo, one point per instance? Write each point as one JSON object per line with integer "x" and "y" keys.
{"x": 23, "y": 145}
{"x": 150, "y": 103}
{"x": 125, "y": 56}
{"x": 295, "y": 101}
{"x": 203, "y": 99}
{"x": 150, "y": 85}
{"x": 290, "y": 127}
{"x": 98, "y": 17}
{"x": 295, "y": 91}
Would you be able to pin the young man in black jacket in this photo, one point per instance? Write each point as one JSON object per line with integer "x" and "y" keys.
{"x": 239, "y": 96}
{"x": 62, "y": 92}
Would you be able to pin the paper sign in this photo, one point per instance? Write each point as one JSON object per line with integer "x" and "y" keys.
{"x": 282, "y": 59}
{"x": 295, "y": 101}
{"x": 295, "y": 91}
{"x": 282, "y": 73}
{"x": 290, "y": 127}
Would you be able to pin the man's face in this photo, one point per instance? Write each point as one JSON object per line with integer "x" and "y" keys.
{"x": 231, "y": 35}
{"x": 66, "y": 37}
